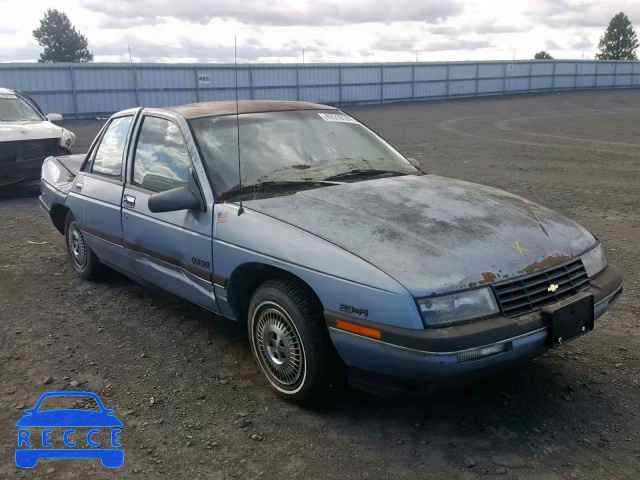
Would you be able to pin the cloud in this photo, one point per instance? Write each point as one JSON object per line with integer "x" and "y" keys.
{"x": 455, "y": 44}
{"x": 5, "y": 30}
{"x": 147, "y": 51}
{"x": 19, "y": 54}
{"x": 395, "y": 44}
{"x": 281, "y": 13}
{"x": 562, "y": 14}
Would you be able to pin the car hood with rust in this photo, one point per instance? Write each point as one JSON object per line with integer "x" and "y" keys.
{"x": 434, "y": 234}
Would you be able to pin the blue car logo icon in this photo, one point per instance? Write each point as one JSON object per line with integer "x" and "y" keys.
{"x": 80, "y": 433}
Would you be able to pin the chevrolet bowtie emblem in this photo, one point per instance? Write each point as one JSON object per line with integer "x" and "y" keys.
{"x": 552, "y": 288}
{"x": 520, "y": 249}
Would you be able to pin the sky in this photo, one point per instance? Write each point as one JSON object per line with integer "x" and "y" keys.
{"x": 278, "y": 31}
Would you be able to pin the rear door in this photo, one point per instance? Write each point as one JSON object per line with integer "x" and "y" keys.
{"x": 171, "y": 249}
{"x": 96, "y": 195}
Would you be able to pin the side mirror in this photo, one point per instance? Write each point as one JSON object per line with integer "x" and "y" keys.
{"x": 180, "y": 198}
{"x": 414, "y": 162}
{"x": 54, "y": 117}
{"x": 30, "y": 410}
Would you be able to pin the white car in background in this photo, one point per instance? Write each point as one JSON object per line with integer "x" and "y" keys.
{"x": 27, "y": 137}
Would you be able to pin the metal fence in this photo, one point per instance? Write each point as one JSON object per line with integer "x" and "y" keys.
{"x": 99, "y": 89}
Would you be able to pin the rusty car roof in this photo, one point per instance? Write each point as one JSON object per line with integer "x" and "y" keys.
{"x": 207, "y": 109}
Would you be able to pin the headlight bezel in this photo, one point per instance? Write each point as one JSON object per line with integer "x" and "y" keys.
{"x": 594, "y": 260}
{"x": 491, "y": 307}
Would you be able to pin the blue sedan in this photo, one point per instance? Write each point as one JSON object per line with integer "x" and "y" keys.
{"x": 330, "y": 247}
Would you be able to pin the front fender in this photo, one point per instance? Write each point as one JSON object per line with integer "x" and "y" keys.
{"x": 335, "y": 275}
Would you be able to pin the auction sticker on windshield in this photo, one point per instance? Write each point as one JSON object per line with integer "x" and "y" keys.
{"x": 336, "y": 117}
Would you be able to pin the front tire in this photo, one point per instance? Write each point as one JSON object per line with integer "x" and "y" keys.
{"x": 289, "y": 339}
{"x": 83, "y": 260}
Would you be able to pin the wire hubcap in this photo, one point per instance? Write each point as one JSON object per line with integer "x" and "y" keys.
{"x": 78, "y": 247}
{"x": 278, "y": 345}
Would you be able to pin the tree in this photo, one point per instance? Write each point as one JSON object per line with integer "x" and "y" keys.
{"x": 619, "y": 41}
{"x": 61, "y": 41}
{"x": 543, "y": 55}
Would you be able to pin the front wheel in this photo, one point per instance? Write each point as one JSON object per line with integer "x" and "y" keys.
{"x": 83, "y": 260}
{"x": 289, "y": 339}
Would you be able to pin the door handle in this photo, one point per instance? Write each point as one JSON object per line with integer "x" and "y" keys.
{"x": 129, "y": 201}
{"x": 78, "y": 187}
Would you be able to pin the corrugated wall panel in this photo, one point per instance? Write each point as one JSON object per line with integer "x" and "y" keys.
{"x": 605, "y": 68}
{"x": 37, "y": 80}
{"x": 431, "y": 72}
{"x": 541, "y": 83}
{"x": 397, "y": 74}
{"x": 265, "y": 77}
{"x": 542, "y": 68}
{"x": 492, "y": 70}
{"x": 586, "y": 81}
{"x": 59, "y": 103}
{"x": 624, "y": 80}
{"x": 491, "y": 86}
{"x": 275, "y": 93}
{"x": 319, "y": 76}
{"x": 103, "y": 79}
{"x": 224, "y": 78}
{"x": 105, "y": 102}
{"x": 624, "y": 68}
{"x": 586, "y": 68}
{"x": 167, "y": 99}
{"x": 457, "y": 72}
{"x": 517, "y": 69}
{"x": 102, "y": 88}
{"x": 462, "y": 87}
{"x": 165, "y": 78}
{"x": 565, "y": 82}
{"x": 360, "y": 75}
{"x": 320, "y": 94}
{"x": 605, "y": 81}
{"x": 517, "y": 84}
{"x": 366, "y": 93}
{"x": 397, "y": 91}
{"x": 431, "y": 89}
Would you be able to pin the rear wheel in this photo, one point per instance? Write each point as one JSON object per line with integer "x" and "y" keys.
{"x": 289, "y": 339}
{"x": 83, "y": 260}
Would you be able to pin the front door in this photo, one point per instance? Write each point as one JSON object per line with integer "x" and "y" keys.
{"x": 172, "y": 249}
{"x": 96, "y": 195}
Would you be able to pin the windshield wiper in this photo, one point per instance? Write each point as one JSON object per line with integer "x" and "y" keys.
{"x": 256, "y": 189}
{"x": 363, "y": 173}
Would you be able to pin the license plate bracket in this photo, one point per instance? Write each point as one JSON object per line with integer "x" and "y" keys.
{"x": 569, "y": 318}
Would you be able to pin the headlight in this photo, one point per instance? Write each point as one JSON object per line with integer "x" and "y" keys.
{"x": 458, "y": 307}
{"x": 594, "y": 261}
{"x": 68, "y": 138}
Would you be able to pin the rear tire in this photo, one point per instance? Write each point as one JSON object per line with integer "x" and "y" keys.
{"x": 83, "y": 260}
{"x": 289, "y": 340}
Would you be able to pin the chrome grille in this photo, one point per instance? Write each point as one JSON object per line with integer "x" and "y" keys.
{"x": 530, "y": 293}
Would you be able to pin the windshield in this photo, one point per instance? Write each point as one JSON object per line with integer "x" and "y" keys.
{"x": 13, "y": 108}
{"x": 292, "y": 146}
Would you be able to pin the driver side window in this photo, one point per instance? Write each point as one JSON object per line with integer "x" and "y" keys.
{"x": 107, "y": 161}
{"x": 161, "y": 159}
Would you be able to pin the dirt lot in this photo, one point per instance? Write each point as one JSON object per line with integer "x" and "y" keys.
{"x": 182, "y": 380}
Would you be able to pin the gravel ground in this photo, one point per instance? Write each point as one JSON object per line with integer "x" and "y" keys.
{"x": 193, "y": 402}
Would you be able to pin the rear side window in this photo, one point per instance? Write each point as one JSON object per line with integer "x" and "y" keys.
{"x": 108, "y": 158}
{"x": 161, "y": 161}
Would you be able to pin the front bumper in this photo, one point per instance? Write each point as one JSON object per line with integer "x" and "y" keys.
{"x": 440, "y": 353}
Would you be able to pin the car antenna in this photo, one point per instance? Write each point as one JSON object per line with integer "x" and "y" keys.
{"x": 235, "y": 60}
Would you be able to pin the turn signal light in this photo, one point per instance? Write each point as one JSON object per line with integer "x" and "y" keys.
{"x": 359, "y": 329}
